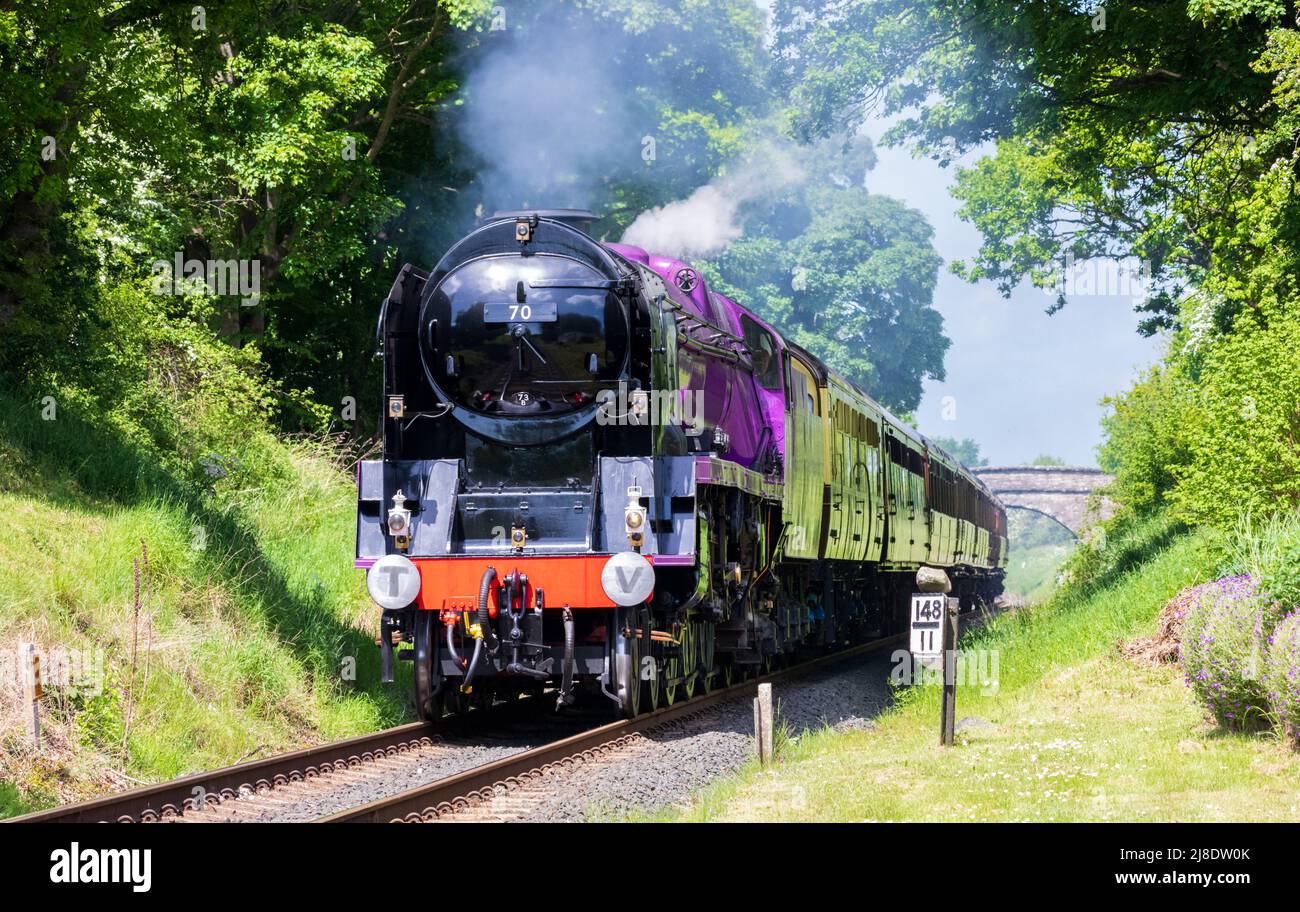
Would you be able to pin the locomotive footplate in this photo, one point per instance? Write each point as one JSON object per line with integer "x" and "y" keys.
{"x": 540, "y": 644}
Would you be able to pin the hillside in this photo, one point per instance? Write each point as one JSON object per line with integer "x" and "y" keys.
{"x": 253, "y": 633}
{"x": 1073, "y": 731}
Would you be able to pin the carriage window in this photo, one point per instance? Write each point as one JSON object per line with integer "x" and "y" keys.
{"x": 796, "y": 387}
{"x": 915, "y": 463}
{"x": 872, "y": 435}
{"x": 767, "y": 369}
{"x": 803, "y": 393}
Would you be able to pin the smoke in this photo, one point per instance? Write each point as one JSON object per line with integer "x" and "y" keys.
{"x": 549, "y": 114}
{"x": 560, "y": 108}
{"x": 700, "y": 225}
{"x": 709, "y": 219}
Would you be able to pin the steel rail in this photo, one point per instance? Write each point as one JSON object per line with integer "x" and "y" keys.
{"x": 172, "y": 798}
{"x": 427, "y": 802}
{"x": 167, "y": 800}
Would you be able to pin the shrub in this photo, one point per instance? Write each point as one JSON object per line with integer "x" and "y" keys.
{"x": 1269, "y": 551}
{"x": 1242, "y": 433}
{"x": 156, "y": 400}
{"x": 1146, "y": 437}
{"x": 1224, "y": 638}
{"x": 1282, "y": 675}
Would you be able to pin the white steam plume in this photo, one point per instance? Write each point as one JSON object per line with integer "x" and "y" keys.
{"x": 707, "y": 221}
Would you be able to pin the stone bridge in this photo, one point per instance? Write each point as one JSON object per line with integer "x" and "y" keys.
{"x": 1063, "y": 493}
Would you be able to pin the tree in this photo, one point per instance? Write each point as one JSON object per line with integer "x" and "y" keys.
{"x": 1166, "y": 132}
{"x": 1046, "y": 460}
{"x": 241, "y": 132}
{"x": 847, "y": 274}
{"x": 322, "y": 144}
{"x": 966, "y": 451}
{"x": 1133, "y": 135}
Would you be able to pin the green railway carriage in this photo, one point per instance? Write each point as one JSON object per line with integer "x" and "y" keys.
{"x": 908, "y": 541}
{"x": 866, "y": 487}
{"x": 854, "y": 503}
{"x": 806, "y": 434}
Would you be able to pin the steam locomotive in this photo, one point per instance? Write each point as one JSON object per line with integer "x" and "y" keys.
{"x": 602, "y": 479}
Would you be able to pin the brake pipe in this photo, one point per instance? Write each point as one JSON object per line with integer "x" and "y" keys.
{"x": 480, "y": 630}
{"x": 566, "y": 683}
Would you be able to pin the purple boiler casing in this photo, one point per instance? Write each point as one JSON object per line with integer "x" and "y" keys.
{"x": 727, "y": 389}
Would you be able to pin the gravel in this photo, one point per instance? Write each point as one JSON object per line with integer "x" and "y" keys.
{"x": 666, "y": 766}
{"x": 307, "y": 800}
{"x": 661, "y": 767}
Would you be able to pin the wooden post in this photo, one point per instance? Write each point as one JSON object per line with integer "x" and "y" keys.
{"x": 763, "y": 723}
{"x": 931, "y": 609}
{"x": 948, "y": 718}
{"x": 32, "y": 691}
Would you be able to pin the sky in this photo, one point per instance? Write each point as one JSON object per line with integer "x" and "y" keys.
{"x": 1022, "y": 383}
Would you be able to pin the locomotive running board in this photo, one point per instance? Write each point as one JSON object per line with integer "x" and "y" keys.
{"x": 711, "y": 470}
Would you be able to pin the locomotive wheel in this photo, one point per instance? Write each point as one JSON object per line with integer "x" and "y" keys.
{"x": 652, "y": 687}
{"x": 427, "y": 678}
{"x": 626, "y": 664}
{"x": 652, "y": 690}
{"x": 705, "y": 656}
{"x": 634, "y": 678}
{"x": 683, "y": 665}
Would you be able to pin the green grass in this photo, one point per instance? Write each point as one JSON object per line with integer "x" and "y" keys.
{"x": 248, "y": 634}
{"x": 1039, "y": 546}
{"x": 1073, "y": 731}
{"x": 1031, "y": 572}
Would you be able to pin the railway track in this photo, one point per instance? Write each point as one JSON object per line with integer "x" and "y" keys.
{"x": 258, "y": 785}
{"x": 170, "y": 800}
{"x": 263, "y": 785}
{"x": 461, "y": 795}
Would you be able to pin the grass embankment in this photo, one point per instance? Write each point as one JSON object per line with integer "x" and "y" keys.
{"x": 1031, "y": 572}
{"x": 1039, "y": 547}
{"x": 254, "y": 634}
{"x": 1074, "y": 731}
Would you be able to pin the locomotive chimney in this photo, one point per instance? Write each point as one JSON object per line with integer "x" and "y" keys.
{"x": 581, "y": 219}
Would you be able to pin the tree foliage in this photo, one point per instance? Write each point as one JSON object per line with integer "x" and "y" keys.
{"x": 323, "y": 144}
{"x": 274, "y": 136}
{"x": 1165, "y": 132}
{"x": 320, "y": 143}
{"x": 966, "y": 451}
{"x": 1135, "y": 133}
{"x": 847, "y": 274}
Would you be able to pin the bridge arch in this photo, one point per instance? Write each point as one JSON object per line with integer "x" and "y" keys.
{"x": 1062, "y": 493}
{"x": 1037, "y": 512}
